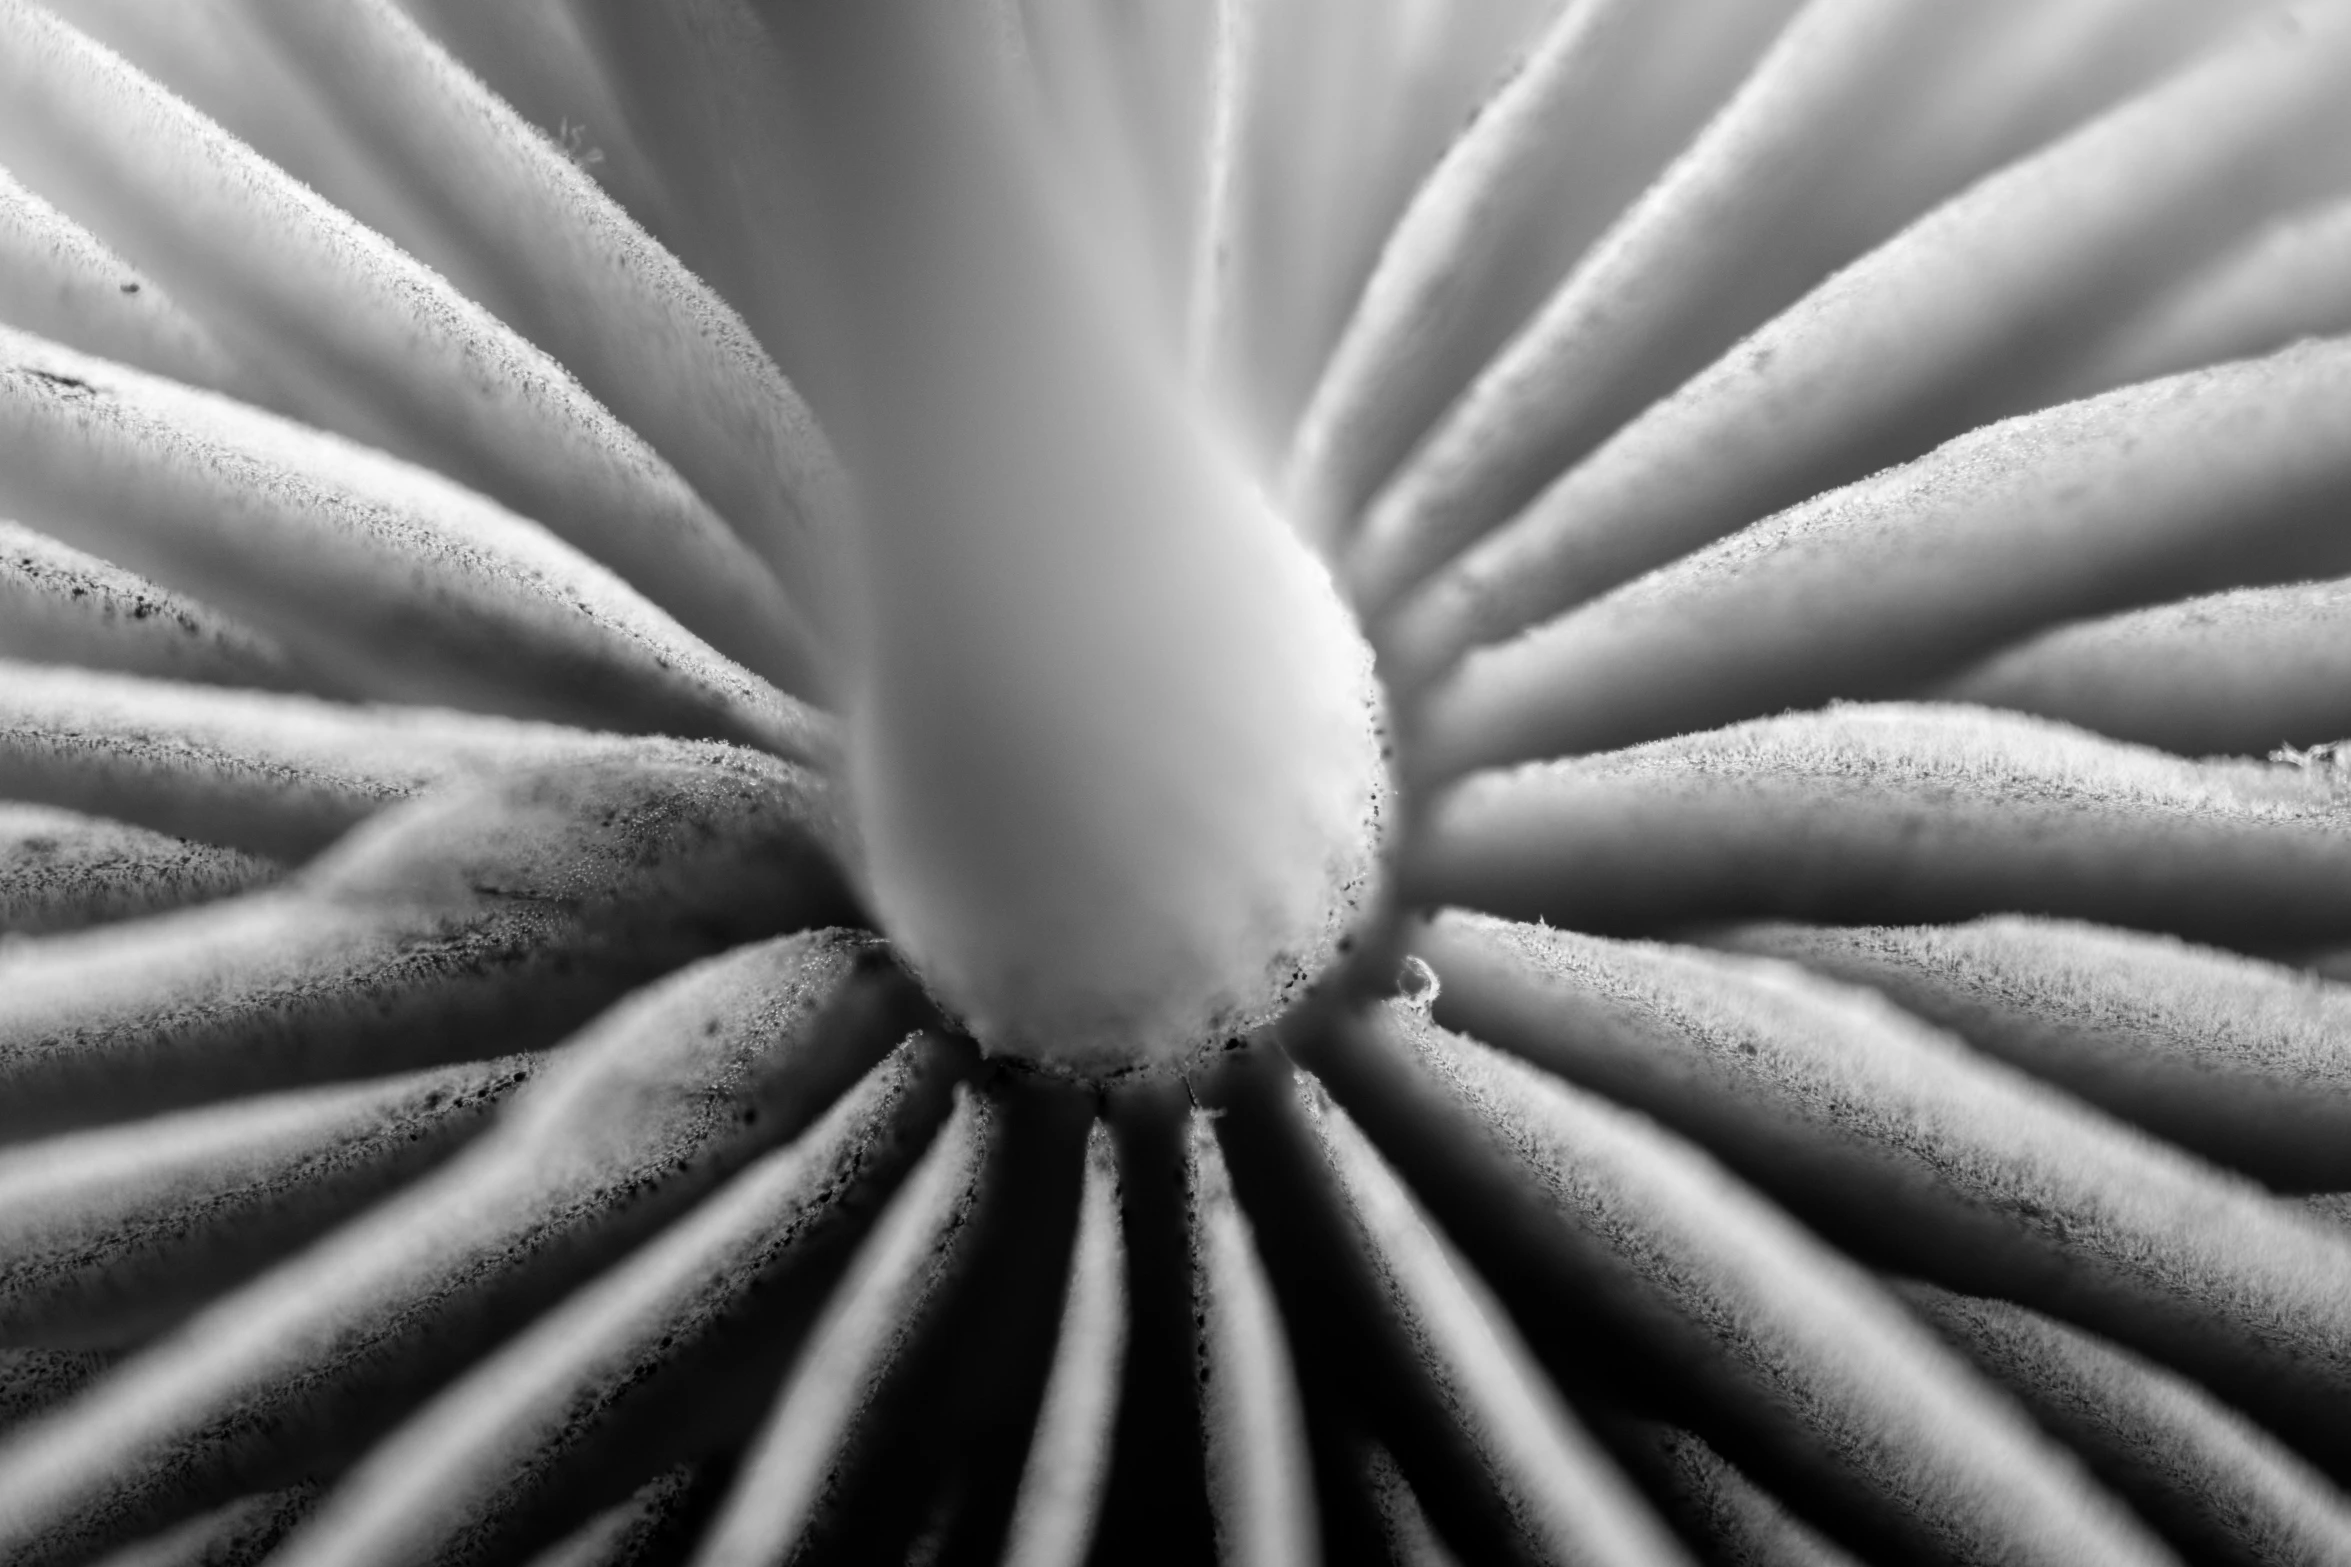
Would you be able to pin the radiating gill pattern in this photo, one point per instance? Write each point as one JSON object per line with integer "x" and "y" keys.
{"x": 1087, "y": 781}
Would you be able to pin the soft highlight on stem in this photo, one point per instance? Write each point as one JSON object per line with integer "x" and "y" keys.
{"x": 1115, "y": 742}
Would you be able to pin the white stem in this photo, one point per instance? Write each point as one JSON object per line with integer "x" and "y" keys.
{"x": 1115, "y": 743}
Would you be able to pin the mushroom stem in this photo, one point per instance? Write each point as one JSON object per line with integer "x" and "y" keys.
{"x": 1115, "y": 746}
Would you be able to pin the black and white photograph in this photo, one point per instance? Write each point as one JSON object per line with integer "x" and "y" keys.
{"x": 1089, "y": 783}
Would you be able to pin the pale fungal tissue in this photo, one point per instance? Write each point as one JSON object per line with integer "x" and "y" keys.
{"x": 1131, "y": 781}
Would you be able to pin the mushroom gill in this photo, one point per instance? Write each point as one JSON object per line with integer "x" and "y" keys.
{"x": 1109, "y": 780}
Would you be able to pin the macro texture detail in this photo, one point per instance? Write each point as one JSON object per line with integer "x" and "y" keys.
{"x": 1246, "y": 781}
